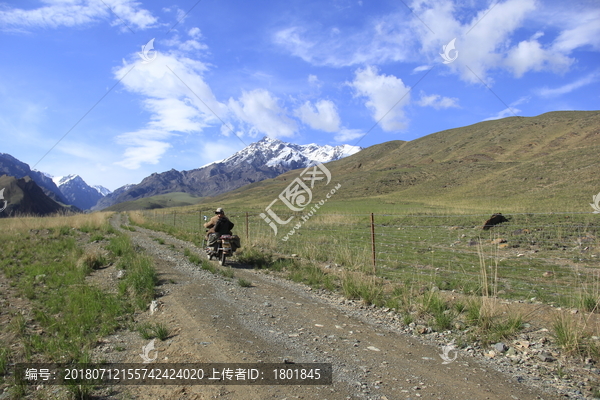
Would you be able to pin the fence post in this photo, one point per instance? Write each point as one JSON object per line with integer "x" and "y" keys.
{"x": 373, "y": 242}
{"x": 199, "y": 220}
{"x": 246, "y": 226}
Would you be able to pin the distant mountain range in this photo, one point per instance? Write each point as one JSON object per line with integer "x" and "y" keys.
{"x": 78, "y": 193}
{"x": 261, "y": 160}
{"x": 12, "y": 167}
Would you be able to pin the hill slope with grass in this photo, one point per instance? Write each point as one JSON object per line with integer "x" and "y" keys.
{"x": 544, "y": 163}
{"x": 176, "y": 199}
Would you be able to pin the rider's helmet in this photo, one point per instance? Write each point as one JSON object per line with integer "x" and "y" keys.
{"x": 219, "y": 211}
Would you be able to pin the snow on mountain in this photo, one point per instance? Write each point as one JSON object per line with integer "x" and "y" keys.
{"x": 261, "y": 160}
{"x": 274, "y": 152}
{"x": 102, "y": 190}
{"x": 77, "y": 192}
{"x": 63, "y": 180}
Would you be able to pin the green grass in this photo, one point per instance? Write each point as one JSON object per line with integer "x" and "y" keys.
{"x": 176, "y": 199}
{"x": 227, "y": 272}
{"x": 244, "y": 282}
{"x": 150, "y": 331}
{"x": 255, "y": 257}
{"x": 50, "y": 271}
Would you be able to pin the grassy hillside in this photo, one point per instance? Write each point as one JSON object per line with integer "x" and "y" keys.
{"x": 517, "y": 164}
{"x": 176, "y": 199}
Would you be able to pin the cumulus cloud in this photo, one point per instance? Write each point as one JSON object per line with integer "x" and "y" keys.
{"x": 78, "y": 12}
{"x": 485, "y": 34}
{"x": 261, "y": 110}
{"x": 385, "y": 95}
{"x": 322, "y": 116}
{"x": 173, "y": 91}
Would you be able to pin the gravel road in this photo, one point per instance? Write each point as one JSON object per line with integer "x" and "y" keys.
{"x": 213, "y": 319}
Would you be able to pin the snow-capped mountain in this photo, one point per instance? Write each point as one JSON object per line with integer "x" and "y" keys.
{"x": 274, "y": 152}
{"x": 102, "y": 190}
{"x": 261, "y": 160}
{"x": 77, "y": 192}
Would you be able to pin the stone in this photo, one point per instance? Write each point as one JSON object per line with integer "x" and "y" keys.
{"x": 511, "y": 352}
{"x": 500, "y": 347}
{"x": 546, "y": 357}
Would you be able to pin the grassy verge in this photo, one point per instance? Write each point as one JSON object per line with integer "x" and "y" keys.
{"x": 48, "y": 265}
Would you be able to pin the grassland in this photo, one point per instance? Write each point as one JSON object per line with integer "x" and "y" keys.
{"x": 46, "y": 266}
{"x": 175, "y": 199}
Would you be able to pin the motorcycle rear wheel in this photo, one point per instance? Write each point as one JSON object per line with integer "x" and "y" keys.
{"x": 222, "y": 258}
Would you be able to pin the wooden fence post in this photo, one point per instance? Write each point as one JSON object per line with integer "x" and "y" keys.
{"x": 373, "y": 242}
{"x": 246, "y": 226}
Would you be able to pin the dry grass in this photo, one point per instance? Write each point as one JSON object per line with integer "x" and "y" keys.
{"x": 137, "y": 217}
{"x": 77, "y": 221}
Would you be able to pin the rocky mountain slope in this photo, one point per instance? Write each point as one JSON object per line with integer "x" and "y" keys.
{"x": 10, "y": 166}
{"x": 24, "y": 196}
{"x": 77, "y": 192}
{"x": 261, "y": 160}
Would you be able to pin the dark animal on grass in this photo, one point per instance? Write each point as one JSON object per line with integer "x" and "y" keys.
{"x": 494, "y": 220}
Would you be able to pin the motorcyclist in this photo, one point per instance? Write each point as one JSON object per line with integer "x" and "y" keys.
{"x": 217, "y": 226}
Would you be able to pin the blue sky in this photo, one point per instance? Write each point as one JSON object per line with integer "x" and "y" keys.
{"x": 79, "y": 93}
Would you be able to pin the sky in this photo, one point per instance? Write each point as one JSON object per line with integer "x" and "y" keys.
{"x": 114, "y": 90}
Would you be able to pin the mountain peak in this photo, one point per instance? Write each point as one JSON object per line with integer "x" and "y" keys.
{"x": 274, "y": 152}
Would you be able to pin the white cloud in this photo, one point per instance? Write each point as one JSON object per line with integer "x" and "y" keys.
{"x": 325, "y": 117}
{"x": 511, "y": 110}
{"x": 529, "y": 55}
{"x": 386, "y": 96}
{"x": 179, "y": 100}
{"x": 582, "y": 29}
{"x": 145, "y": 146}
{"x": 346, "y": 135}
{"x": 383, "y": 40}
{"x": 436, "y": 101}
{"x": 314, "y": 80}
{"x": 195, "y": 33}
{"x": 487, "y": 33}
{"x": 568, "y": 88}
{"x": 78, "y": 12}
{"x": 262, "y": 111}
{"x": 421, "y": 68}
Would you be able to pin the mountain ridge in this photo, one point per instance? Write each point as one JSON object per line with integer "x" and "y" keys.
{"x": 525, "y": 163}
{"x": 264, "y": 159}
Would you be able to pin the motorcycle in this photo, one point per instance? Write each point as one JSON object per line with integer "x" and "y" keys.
{"x": 226, "y": 246}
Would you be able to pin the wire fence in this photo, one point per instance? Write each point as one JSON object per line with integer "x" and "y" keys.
{"x": 552, "y": 257}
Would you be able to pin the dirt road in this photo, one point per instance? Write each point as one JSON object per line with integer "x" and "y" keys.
{"x": 213, "y": 319}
